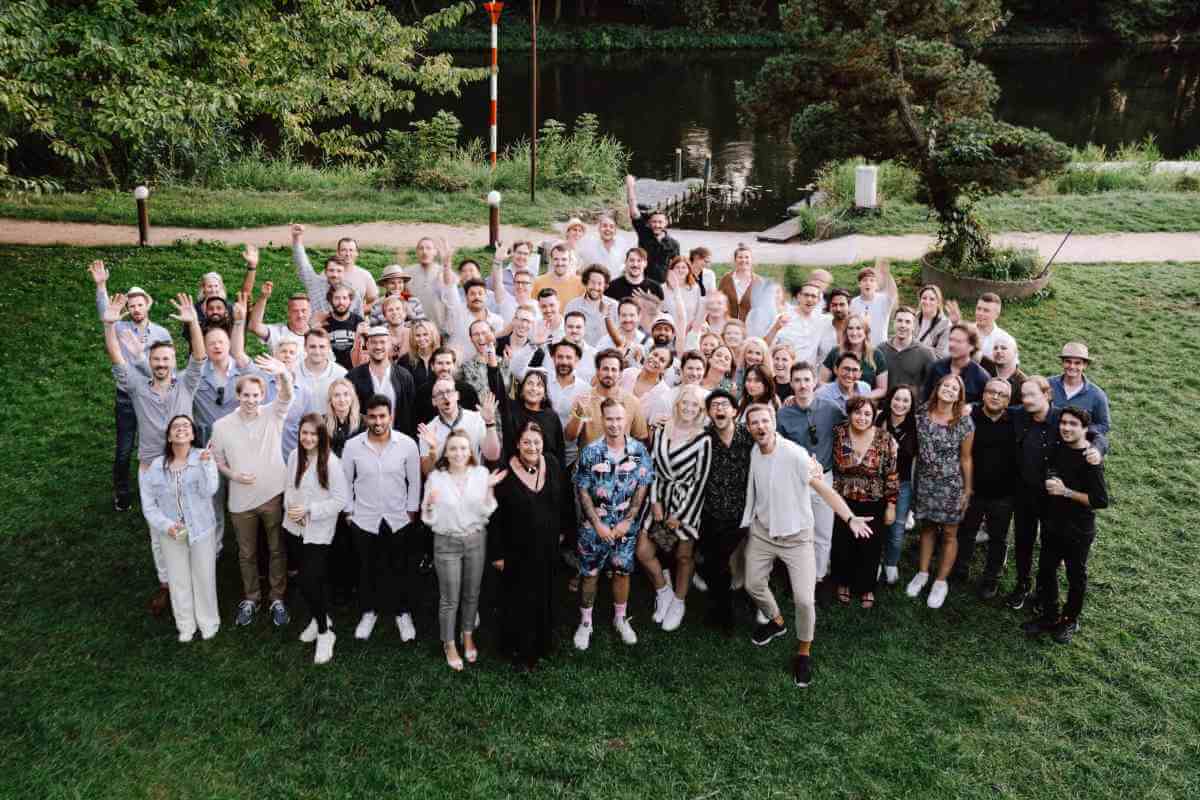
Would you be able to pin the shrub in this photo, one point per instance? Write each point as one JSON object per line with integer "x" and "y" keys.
{"x": 1187, "y": 183}
{"x": 897, "y": 183}
{"x": 1005, "y": 264}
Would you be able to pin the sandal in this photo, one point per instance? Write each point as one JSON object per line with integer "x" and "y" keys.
{"x": 455, "y": 663}
{"x": 868, "y": 601}
{"x": 843, "y": 595}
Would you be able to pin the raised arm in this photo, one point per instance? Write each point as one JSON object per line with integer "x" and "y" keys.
{"x": 114, "y": 310}
{"x": 237, "y": 340}
{"x": 250, "y": 256}
{"x": 489, "y": 408}
{"x": 259, "y": 311}
{"x": 631, "y": 197}
{"x": 185, "y": 312}
{"x": 887, "y": 282}
{"x": 304, "y": 267}
{"x": 100, "y": 277}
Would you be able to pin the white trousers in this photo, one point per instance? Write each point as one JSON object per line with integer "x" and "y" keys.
{"x": 192, "y": 579}
{"x": 822, "y": 528}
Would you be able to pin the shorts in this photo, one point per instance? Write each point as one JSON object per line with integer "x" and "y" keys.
{"x": 595, "y": 554}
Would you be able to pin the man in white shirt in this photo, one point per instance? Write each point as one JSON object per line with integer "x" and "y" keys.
{"x": 460, "y": 316}
{"x": 383, "y": 470}
{"x": 875, "y": 302}
{"x": 593, "y": 304}
{"x": 428, "y": 277}
{"x": 987, "y": 311}
{"x": 629, "y": 315}
{"x": 248, "y": 446}
{"x": 606, "y": 247}
{"x": 564, "y": 387}
{"x": 574, "y": 325}
{"x": 299, "y": 317}
{"x": 481, "y": 427}
{"x": 804, "y": 328}
{"x": 779, "y": 516}
{"x": 318, "y": 369}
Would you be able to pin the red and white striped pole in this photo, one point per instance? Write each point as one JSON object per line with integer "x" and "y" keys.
{"x": 494, "y": 10}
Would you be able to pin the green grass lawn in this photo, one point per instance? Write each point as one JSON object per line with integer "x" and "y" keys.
{"x": 245, "y": 208}
{"x": 1108, "y": 212}
{"x": 100, "y": 700}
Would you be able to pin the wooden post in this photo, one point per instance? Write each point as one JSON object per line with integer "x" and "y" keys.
{"x": 678, "y": 164}
{"x": 140, "y": 194}
{"x": 493, "y": 200}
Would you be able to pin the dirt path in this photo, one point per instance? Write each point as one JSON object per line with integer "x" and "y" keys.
{"x": 1080, "y": 249}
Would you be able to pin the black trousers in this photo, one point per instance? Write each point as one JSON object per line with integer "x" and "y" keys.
{"x": 313, "y": 576}
{"x": 343, "y": 562}
{"x": 387, "y": 568}
{"x": 718, "y": 540}
{"x": 1029, "y": 511}
{"x": 998, "y": 511}
{"x": 855, "y": 561}
{"x": 126, "y": 419}
{"x": 1068, "y": 548}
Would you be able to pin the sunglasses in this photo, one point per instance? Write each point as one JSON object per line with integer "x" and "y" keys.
{"x": 812, "y": 434}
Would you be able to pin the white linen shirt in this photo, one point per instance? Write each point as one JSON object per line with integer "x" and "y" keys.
{"x": 788, "y": 503}
{"x": 322, "y": 505}
{"x": 457, "y": 513}
{"x": 384, "y": 484}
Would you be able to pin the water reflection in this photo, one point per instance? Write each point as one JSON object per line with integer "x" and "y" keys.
{"x": 655, "y": 102}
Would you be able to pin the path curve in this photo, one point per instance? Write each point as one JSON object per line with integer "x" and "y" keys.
{"x": 1080, "y": 249}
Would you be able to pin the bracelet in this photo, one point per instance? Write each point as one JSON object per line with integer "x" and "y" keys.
{"x": 491, "y": 424}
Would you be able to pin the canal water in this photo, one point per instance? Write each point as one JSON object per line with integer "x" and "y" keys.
{"x": 657, "y": 102}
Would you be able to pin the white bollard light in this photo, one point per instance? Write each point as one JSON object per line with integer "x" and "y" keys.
{"x": 866, "y": 182}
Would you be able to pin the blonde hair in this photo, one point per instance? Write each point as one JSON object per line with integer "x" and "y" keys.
{"x": 683, "y": 393}
{"x": 355, "y": 412}
{"x": 766, "y": 354}
{"x": 434, "y": 337}
{"x": 224, "y": 293}
{"x": 868, "y": 349}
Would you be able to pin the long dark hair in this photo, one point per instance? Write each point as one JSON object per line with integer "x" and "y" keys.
{"x": 885, "y": 408}
{"x": 768, "y": 395}
{"x": 540, "y": 376}
{"x": 318, "y": 422}
{"x": 168, "y": 451}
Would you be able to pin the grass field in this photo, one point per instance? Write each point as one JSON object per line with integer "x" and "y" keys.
{"x": 100, "y": 700}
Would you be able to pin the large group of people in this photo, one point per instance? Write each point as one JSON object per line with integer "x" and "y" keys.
{"x": 593, "y": 407}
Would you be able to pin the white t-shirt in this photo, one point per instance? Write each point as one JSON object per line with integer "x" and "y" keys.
{"x": 805, "y": 335}
{"x": 761, "y": 476}
{"x": 278, "y": 332}
{"x": 878, "y": 312}
{"x": 985, "y": 342}
{"x": 471, "y": 423}
{"x": 317, "y": 383}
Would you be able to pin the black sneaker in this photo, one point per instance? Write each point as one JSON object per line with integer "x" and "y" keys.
{"x": 801, "y": 671}
{"x": 1064, "y": 630}
{"x": 1018, "y": 598}
{"x": 122, "y": 503}
{"x": 769, "y": 630}
{"x": 1037, "y": 626}
{"x": 989, "y": 588}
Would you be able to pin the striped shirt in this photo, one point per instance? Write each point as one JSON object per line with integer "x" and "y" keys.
{"x": 680, "y": 478}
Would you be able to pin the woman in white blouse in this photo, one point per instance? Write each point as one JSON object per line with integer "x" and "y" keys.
{"x": 683, "y": 300}
{"x": 459, "y": 499}
{"x": 177, "y": 490}
{"x": 315, "y": 494}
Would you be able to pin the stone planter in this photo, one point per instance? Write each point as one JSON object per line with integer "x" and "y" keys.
{"x": 961, "y": 287}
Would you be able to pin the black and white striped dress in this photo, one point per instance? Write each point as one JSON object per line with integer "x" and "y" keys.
{"x": 680, "y": 477}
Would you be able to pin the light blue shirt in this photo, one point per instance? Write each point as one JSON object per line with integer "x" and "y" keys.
{"x": 206, "y": 408}
{"x": 831, "y": 391}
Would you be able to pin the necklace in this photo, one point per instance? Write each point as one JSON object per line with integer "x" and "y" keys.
{"x": 528, "y": 469}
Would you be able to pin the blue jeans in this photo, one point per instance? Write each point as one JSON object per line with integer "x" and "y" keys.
{"x": 126, "y": 435}
{"x": 895, "y": 534}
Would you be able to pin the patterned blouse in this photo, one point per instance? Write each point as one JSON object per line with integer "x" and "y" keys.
{"x": 680, "y": 478}
{"x": 726, "y": 494}
{"x": 874, "y": 478}
{"x": 610, "y": 483}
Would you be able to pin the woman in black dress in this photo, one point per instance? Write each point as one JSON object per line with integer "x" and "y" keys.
{"x": 532, "y": 404}
{"x": 343, "y": 420}
{"x": 534, "y": 509}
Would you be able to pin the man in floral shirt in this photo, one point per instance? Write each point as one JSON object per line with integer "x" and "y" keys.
{"x": 612, "y": 480}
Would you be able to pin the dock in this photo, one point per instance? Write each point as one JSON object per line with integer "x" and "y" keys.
{"x": 654, "y": 195}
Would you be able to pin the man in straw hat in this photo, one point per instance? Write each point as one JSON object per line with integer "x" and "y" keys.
{"x": 1072, "y": 388}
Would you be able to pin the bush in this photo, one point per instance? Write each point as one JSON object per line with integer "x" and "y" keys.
{"x": 1005, "y": 264}
{"x": 1187, "y": 183}
{"x": 897, "y": 183}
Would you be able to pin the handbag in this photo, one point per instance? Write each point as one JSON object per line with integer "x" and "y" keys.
{"x": 662, "y": 536}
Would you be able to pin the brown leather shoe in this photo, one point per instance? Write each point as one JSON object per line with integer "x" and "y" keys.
{"x": 159, "y": 602}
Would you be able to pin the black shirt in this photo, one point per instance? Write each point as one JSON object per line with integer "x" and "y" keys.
{"x": 341, "y": 337}
{"x": 906, "y": 441}
{"x": 725, "y": 497}
{"x": 974, "y": 378}
{"x": 621, "y": 288}
{"x": 1067, "y": 516}
{"x": 994, "y": 455}
{"x": 659, "y": 252}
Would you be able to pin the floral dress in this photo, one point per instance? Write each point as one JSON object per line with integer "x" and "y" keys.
{"x": 939, "y": 476}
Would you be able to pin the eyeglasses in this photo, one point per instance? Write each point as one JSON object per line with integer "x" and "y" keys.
{"x": 997, "y": 393}
{"x": 440, "y": 395}
{"x": 812, "y": 434}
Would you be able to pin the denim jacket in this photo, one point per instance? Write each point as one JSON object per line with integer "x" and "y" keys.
{"x": 162, "y": 504}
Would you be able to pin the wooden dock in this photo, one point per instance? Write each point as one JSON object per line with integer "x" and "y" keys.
{"x": 664, "y": 196}
{"x": 784, "y": 231}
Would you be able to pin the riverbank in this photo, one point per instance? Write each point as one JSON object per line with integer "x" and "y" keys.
{"x": 609, "y": 36}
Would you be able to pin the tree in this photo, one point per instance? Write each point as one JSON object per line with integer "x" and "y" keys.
{"x": 111, "y": 83}
{"x": 893, "y": 79}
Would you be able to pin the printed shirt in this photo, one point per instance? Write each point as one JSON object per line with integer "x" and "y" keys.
{"x": 872, "y": 479}
{"x": 612, "y": 484}
{"x": 725, "y": 498}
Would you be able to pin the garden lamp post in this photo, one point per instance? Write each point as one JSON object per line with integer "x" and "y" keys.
{"x": 493, "y": 201}
{"x": 535, "y": 7}
{"x": 140, "y": 194}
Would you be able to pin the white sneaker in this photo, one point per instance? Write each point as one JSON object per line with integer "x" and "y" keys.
{"x": 700, "y": 584}
{"x": 365, "y": 626}
{"x": 187, "y": 637}
{"x": 662, "y": 602}
{"x": 404, "y": 624}
{"x": 626, "y": 630}
{"x": 309, "y": 634}
{"x": 760, "y": 618}
{"x": 583, "y": 636}
{"x": 910, "y": 522}
{"x": 937, "y": 595}
{"x": 891, "y": 575}
{"x": 674, "y": 614}
{"x": 324, "y": 647}
{"x": 982, "y": 537}
{"x": 917, "y": 584}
